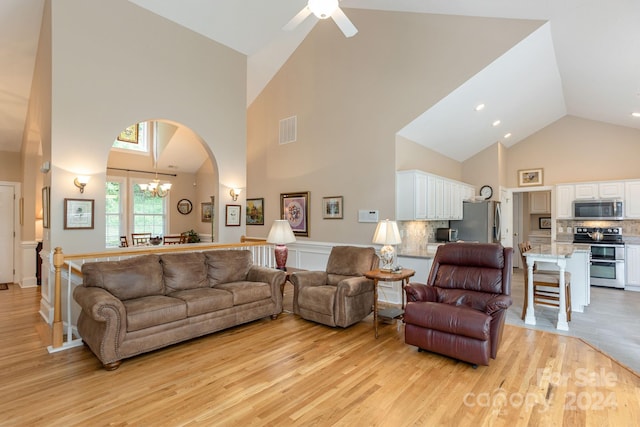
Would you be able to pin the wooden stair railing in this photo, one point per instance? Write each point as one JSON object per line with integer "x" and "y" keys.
{"x": 259, "y": 250}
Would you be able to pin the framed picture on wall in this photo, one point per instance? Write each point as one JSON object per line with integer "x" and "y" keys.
{"x": 232, "y": 215}
{"x": 130, "y": 134}
{"x": 78, "y": 214}
{"x": 46, "y": 208}
{"x": 529, "y": 177}
{"x": 294, "y": 207}
{"x": 206, "y": 212}
{"x": 544, "y": 223}
{"x": 332, "y": 207}
{"x": 255, "y": 211}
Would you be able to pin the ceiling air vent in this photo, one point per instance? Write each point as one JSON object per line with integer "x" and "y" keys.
{"x": 288, "y": 129}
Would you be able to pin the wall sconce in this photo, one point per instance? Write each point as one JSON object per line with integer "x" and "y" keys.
{"x": 235, "y": 192}
{"x": 81, "y": 181}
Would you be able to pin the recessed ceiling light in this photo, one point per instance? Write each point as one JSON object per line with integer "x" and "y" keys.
{"x": 507, "y": 135}
{"x": 635, "y": 114}
{"x": 479, "y": 107}
{"x": 496, "y": 123}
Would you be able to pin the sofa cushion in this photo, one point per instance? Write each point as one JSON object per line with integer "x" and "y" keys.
{"x": 204, "y": 300}
{"x": 455, "y": 320}
{"x": 153, "y": 310}
{"x": 246, "y": 292}
{"x": 186, "y": 270}
{"x": 130, "y": 278}
{"x": 228, "y": 266}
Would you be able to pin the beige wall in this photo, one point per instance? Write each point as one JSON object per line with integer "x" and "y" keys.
{"x": 484, "y": 169}
{"x": 133, "y": 66}
{"x": 10, "y": 166}
{"x": 574, "y": 150}
{"x": 411, "y": 155}
{"x": 351, "y": 96}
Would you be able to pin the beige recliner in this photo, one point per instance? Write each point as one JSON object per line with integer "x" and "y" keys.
{"x": 341, "y": 295}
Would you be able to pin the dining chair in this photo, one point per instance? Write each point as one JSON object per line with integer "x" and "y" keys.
{"x": 174, "y": 239}
{"x": 546, "y": 285}
{"x": 139, "y": 239}
{"x": 123, "y": 242}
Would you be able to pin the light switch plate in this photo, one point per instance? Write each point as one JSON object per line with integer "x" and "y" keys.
{"x": 367, "y": 215}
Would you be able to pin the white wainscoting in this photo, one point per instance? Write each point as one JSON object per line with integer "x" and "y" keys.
{"x": 27, "y": 270}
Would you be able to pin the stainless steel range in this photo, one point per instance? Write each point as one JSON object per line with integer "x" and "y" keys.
{"x": 607, "y": 254}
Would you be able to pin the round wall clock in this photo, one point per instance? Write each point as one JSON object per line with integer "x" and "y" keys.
{"x": 486, "y": 191}
{"x": 185, "y": 206}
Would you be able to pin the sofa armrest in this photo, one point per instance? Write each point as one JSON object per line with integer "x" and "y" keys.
{"x": 354, "y": 286}
{"x": 266, "y": 275}
{"x": 99, "y": 304}
{"x": 300, "y": 279}
{"x": 498, "y": 303}
{"x": 420, "y": 292}
{"x": 102, "y": 322}
{"x": 275, "y": 279}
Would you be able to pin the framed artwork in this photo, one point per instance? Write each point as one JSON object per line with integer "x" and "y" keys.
{"x": 294, "y": 207}
{"x": 46, "y": 206}
{"x": 332, "y": 207}
{"x": 206, "y": 212}
{"x": 78, "y": 214}
{"x": 130, "y": 134}
{"x": 255, "y": 211}
{"x": 232, "y": 215}
{"x": 529, "y": 177}
{"x": 185, "y": 206}
{"x": 544, "y": 223}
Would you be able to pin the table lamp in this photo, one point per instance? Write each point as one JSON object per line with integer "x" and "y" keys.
{"x": 387, "y": 234}
{"x": 281, "y": 234}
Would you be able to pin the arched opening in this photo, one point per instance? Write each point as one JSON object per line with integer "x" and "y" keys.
{"x": 161, "y": 179}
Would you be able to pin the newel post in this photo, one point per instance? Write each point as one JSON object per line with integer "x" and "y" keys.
{"x": 58, "y": 262}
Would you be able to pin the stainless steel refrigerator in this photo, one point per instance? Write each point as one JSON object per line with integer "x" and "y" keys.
{"x": 480, "y": 222}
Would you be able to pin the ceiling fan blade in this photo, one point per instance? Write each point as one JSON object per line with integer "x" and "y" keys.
{"x": 297, "y": 20}
{"x": 343, "y": 23}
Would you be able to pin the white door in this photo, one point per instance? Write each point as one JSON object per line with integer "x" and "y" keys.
{"x": 6, "y": 233}
{"x": 506, "y": 220}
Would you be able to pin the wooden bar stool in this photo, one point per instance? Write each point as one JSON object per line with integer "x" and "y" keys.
{"x": 546, "y": 285}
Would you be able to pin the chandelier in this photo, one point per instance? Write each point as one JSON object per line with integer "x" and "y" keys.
{"x": 154, "y": 188}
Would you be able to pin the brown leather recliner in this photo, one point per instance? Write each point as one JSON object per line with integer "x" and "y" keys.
{"x": 341, "y": 295}
{"x": 461, "y": 310}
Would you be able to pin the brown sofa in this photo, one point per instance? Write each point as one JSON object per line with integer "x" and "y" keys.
{"x": 461, "y": 310}
{"x": 151, "y": 301}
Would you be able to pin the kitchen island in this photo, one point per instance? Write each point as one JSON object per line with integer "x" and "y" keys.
{"x": 573, "y": 258}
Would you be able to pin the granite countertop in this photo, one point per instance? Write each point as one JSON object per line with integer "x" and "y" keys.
{"x": 417, "y": 253}
{"x": 556, "y": 250}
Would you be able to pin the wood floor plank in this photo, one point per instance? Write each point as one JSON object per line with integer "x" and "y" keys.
{"x": 294, "y": 372}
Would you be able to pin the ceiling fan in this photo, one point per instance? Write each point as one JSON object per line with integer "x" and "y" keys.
{"x": 324, "y": 9}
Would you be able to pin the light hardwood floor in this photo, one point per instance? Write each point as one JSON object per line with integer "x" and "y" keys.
{"x": 293, "y": 372}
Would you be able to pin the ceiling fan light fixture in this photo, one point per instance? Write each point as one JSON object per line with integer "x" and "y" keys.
{"x": 323, "y": 9}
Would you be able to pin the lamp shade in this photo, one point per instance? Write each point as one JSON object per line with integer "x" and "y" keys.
{"x": 387, "y": 233}
{"x": 281, "y": 233}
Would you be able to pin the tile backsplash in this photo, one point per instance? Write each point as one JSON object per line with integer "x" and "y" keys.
{"x": 416, "y": 234}
{"x": 630, "y": 227}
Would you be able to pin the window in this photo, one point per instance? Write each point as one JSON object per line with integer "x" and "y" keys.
{"x": 149, "y": 213}
{"x": 113, "y": 212}
{"x": 142, "y": 146}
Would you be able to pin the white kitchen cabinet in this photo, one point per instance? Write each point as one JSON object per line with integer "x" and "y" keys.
{"x": 632, "y": 264}
{"x": 411, "y": 195}
{"x": 540, "y": 202}
{"x": 565, "y": 194}
{"x": 632, "y": 199}
{"x": 424, "y": 196}
{"x": 611, "y": 190}
{"x": 586, "y": 190}
{"x": 600, "y": 190}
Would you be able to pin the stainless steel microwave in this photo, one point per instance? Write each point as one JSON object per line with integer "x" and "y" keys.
{"x": 610, "y": 209}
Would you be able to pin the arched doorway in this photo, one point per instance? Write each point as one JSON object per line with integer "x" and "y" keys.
{"x": 174, "y": 155}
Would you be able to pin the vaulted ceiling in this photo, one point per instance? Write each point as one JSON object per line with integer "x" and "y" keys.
{"x": 582, "y": 61}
